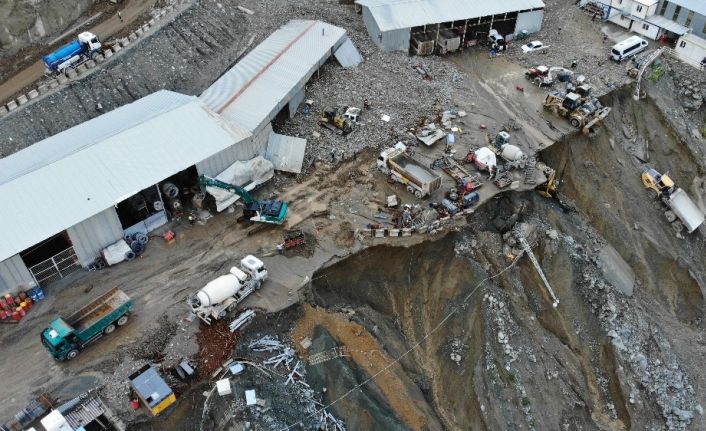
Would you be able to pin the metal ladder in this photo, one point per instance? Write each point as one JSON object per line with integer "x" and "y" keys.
{"x": 531, "y": 171}
{"x": 327, "y": 355}
{"x": 530, "y": 254}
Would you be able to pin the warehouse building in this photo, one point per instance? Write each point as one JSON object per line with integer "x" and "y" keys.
{"x": 270, "y": 82}
{"x": 426, "y": 26}
{"x": 67, "y": 197}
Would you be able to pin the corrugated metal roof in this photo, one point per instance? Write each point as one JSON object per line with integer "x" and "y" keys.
{"x": 286, "y": 152}
{"x": 76, "y": 138}
{"x": 259, "y": 85}
{"x": 84, "y": 412}
{"x": 698, "y": 6}
{"x": 400, "y": 14}
{"x": 347, "y": 55}
{"x": 151, "y": 384}
{"x": 102, "y": 169}
{"x": 666, "y": 24}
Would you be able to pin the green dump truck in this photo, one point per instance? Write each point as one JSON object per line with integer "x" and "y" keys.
{"x": 65, "y": 338}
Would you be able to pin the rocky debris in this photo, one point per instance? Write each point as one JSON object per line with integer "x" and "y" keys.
{"x": 656, "y": 371}
{"x": 216, "y": 344}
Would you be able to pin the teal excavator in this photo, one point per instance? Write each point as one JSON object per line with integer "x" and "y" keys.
{"x": 264, "y": 211}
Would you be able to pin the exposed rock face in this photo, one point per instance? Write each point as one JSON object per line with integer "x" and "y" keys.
{"x": 23, "y": 22}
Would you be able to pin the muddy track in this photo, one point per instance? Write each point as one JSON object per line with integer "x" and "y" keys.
{"x": 186, "y": 56}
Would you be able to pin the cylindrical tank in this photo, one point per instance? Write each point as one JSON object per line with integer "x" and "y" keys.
{"x": 218, "y": 290}
{"x": 512, "y": 153}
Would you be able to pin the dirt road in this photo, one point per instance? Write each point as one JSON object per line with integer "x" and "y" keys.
{"x": 133, "y": 11}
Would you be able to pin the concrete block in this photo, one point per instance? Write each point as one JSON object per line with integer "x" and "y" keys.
{"x": 117, "y": 48}
{"x": 11, "y": 105}
{"x": 125, "y": 42}
{"x": 379, "y": 233}
{"x": 394, "y": 232}
{"x": 145, "y": 27}
{"x": 55, "y": 82}
{"x": 99, "y": 58}
{"x": 108, "y": 53}
{"x": 132, "y": 37}
{"x": 33, "y": 94}
{"x": 3, "y": 110}
{"x": 81, "y": 70}
{"x": 407, "y": 231}
{"x": 423, "y": 229}
{"x": 139, "y": 32}
{"x": 90, "y": 64}
{"x": 43, "y": 88}
{"x": 151, "y": 22}
{"x": 22, "y": 99}
{"x": 367, "y": 232}
{"x": 61, "y": 79}
{"x": 72, "y": 74}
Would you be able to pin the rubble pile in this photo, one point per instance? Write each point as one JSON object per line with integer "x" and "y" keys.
{"x": 691, "y": 86}
{"x": 639, "y": 344}
{"x": 277, "y": 375}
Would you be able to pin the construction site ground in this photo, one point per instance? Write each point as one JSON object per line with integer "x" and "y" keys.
{"x": 504, "y": 358}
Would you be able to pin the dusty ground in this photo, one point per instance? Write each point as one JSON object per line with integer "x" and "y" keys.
{"x": 504, "y": 359}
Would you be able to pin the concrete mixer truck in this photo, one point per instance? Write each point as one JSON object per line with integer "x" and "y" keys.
{"x": 223, "y": 294}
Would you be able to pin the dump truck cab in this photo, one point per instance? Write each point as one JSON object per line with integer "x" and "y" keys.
{"x": 60, "y": 341}
{"x": 662, "y": 184}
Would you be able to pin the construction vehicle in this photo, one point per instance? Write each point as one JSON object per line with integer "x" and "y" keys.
{"x": 546, "y": 76}
{"x": 222, "y": 295}
{"x": 71, "y": 55}
{"x": 331, "y": 119}
{"x": 420, "y": 180}
{"x": 547, "y": 189}
{"x": 580, "y": 113}
{"x": 264, "y": 211}
{"x": 65, "y": 338}
{"x": 679, "y": 203}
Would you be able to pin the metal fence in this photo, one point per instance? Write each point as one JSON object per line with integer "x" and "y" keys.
{"x": 56, "y": 267}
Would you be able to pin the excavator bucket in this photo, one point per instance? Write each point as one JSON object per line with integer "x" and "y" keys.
{"x": 595, "y": 123}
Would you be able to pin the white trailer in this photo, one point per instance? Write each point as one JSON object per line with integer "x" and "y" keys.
{"x": 683, "y": 207}
{"x": 222, "y": 295}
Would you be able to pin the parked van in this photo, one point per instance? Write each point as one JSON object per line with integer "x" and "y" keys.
{"x": 627, "y": 48}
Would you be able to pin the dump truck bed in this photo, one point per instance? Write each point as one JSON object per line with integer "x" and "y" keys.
{"x": 415, "y": 170}
{"x": 689, "y": 214}
{"x": 97, "y": 309}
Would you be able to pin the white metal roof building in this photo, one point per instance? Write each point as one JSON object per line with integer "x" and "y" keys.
{"x": 390, "y": 22}
{"x": 72, "y": 181}
{"x": 273, "y": 75}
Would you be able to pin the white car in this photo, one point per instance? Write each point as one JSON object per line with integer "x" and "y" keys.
{"x": 533, "y": 46}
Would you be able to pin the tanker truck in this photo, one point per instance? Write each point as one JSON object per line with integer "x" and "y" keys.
{"x": 222, "y": 295}
{"x": 72, "y": 54}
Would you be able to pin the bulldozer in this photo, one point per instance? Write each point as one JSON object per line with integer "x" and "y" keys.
{"x": 580, "y": 112}
{"x": 331, "y": 119}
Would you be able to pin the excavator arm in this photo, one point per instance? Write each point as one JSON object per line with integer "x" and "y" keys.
{"x": 597, "y": 117}
{"x": 205, "y": 181}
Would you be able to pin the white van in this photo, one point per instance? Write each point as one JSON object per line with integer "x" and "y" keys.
{"x": 627, "y": 48}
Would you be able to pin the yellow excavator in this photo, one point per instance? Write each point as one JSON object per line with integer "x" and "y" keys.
{"x": 548, "y": 188}
{"x": 331, "y": 119}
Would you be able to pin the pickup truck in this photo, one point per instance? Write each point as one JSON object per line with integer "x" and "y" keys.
{"x": 65, "y": 338}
